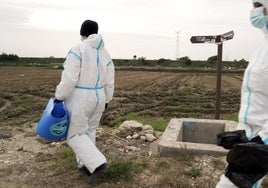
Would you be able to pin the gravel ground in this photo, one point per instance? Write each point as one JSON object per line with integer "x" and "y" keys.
{"x": 26, "y": 161}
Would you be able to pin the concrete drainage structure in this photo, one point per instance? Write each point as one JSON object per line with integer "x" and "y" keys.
{"x": 198, "y": 136}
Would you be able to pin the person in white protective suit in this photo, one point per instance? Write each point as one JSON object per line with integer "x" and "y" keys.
{"x": 253, "y": 113}
{"x": 87, "y": 85}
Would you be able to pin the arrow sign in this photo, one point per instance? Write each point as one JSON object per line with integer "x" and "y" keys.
{"x": 205, "y": 39}
{"x": 227, "y": 36}
{"x": 212, "y": 38}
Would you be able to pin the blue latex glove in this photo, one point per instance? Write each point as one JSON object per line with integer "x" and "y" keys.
{"x": 58, "y": 110}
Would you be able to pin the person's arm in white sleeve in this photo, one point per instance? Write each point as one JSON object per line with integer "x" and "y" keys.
{"x": 70, "y": 75}
{"x": 109, "y": 85}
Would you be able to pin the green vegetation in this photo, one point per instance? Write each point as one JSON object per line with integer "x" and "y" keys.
{"x": 60, "y": 163}
{"x": 183, "y": 62}
{"x": 67, "y": 155}
{"x": 185, "y": 157}
{"x": 8, "y": 57}
{"x": 159, "y": 124}
{"x": 230, "y": 117}
{"x": 118, "y": 170}
{"x": 194, "y": 172}
{"x": 123, "y": 170}
{"x": 33, "y": 62}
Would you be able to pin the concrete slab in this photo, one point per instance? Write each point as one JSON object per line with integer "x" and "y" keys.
{"x": 198, "y": 136}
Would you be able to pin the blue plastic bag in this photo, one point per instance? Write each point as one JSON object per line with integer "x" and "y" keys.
{"x": 54, "y": 122}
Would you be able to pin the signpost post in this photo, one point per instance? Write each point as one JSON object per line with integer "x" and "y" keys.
{"x": 216, "y": 39}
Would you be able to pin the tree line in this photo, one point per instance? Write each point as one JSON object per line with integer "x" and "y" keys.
{"x": 8, "y": 57}
{"x": 13, "y": 59}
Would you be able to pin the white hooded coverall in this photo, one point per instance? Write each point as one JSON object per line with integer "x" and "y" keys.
{"x": 253, "y": 113}
{"x": 87, "y": 83}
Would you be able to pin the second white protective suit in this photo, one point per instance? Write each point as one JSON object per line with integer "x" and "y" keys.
{"x": 253, "y": 114}
{"x": 87, "y": 83}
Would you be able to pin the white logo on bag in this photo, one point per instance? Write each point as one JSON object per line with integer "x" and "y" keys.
{"x": 58, "y": 129}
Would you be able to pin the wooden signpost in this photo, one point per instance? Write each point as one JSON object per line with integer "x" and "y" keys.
{"x": 216, "y": 39}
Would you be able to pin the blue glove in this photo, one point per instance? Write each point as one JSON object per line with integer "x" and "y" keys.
{"x": 58, "y": 110}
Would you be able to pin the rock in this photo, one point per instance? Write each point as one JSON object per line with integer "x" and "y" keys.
{"x": 148, "y": 131}
{"x": 128, "y": 128}
{"x": 132, "y": 148}
{"x": 135, "y": 136}
{"x": 147, "y": 127}
{"x": 117, "y": 143}
{"x": 143, "y": 138}
{"x": 109, "y": 142}
{"x": 158, "y": 134}
{"x": 116, "y": 131}
{"x": 129, "y": 137}
{"x": 133, "y": 125}
{"x": 150, "y": 137}
{"x": 99, "y": 132}
{"x": 30, "y": 134}
{"x": 20, "y": 149}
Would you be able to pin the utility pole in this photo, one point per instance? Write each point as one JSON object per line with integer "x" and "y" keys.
{"x": 177, "y": 55}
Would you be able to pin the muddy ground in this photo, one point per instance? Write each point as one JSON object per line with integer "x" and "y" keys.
{"x": 28, "y": 161}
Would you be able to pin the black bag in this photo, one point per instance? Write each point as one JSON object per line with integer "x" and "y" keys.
{"x": 248, "y": 163}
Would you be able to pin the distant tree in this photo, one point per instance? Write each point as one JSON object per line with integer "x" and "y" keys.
{"x": 186, "y": 60}
{"x": 8, "y": 57}
{"x": 3, "y": 56}
{"x": 243, "y": 63}
{"x": 13, "y": 57}
{"x": 212, "y": 59}
{"x": 142, "y": 60}
{"x": 161, "y": 61}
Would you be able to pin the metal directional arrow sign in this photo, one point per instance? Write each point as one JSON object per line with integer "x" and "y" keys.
{"x": 205, "y": 39}
{"x": 212, "y": 38}
{"x": 227, "y": 36}
{"x": 216, "y": 39}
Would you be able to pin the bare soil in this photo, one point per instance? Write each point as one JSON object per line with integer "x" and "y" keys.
{"x": 28, "y": 161}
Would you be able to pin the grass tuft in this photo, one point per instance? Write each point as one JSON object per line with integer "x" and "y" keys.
{"x": 193, "y": 172}
{"x": 123, "y": 170}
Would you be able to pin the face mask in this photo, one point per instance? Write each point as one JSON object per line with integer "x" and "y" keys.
{"x": 257, "y": 17}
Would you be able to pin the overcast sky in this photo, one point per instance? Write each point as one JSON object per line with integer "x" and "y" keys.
{"x": 147, "y": 28}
